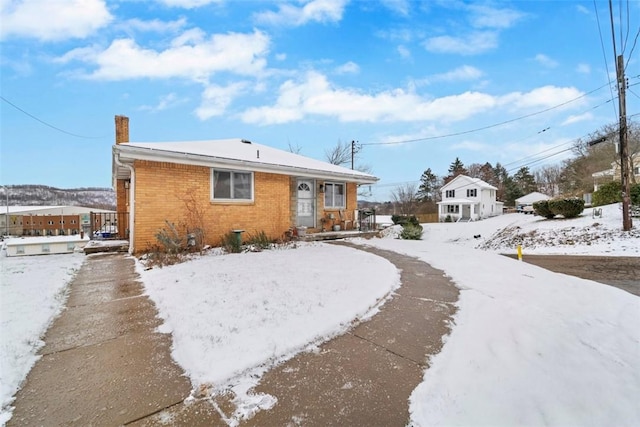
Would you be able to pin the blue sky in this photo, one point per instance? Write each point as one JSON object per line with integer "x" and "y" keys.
{"x": 308, "y": 74}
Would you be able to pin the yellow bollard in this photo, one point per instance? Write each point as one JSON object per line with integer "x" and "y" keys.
{"x": 519, "y": 252}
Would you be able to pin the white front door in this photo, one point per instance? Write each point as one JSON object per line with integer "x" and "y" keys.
{"x": 306, "y": 203}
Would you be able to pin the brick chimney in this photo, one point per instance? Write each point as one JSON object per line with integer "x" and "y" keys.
{"x": 122, "y": 129}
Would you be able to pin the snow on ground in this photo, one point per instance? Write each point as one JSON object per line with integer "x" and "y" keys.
{"x": 529, "y": 347}
{"x": 233, "y": 314}
{"x": 32, "y": 294}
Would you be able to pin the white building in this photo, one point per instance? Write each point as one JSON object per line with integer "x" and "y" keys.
{"x": 468, "y": 199}
{"x": 21, "y": 246}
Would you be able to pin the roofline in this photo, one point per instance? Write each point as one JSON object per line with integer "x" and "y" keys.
{"x": 129, "y": 152}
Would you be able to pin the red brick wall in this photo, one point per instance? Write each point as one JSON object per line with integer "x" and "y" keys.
{"x": 162, "y": 190}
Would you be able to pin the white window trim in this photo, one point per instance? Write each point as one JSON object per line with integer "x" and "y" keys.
{"x": 231, "y": 200}
{"x": 344, "y": 186}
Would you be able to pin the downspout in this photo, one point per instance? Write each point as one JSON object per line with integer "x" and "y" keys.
{"x": 132, "y": 201}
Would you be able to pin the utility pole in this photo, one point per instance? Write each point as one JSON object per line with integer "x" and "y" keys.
{"x": 624, "y": 147}
{"x": 353, "y": 152}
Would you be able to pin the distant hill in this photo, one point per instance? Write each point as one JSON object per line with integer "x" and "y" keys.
{"x": 43, "y": 195}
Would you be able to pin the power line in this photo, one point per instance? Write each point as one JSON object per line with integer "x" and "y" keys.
{"x": 488, "y": 126}
{"x": 45, "y": 123}
{"x": 604, "y": 55}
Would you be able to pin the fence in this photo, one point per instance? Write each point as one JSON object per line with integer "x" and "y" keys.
{"x": 109, "y": 225}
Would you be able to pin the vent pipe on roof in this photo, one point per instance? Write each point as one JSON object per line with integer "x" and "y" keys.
{"x": 257, "y": 154}
{"x": 245, "y": 141}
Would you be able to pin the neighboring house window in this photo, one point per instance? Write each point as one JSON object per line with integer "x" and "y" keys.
{"x": 472, "y": 192}
{"x": 20, "y": 249}
{"x": 453, "y": 208}
{"x": 46, "y": 248}
{"x": 231, "y": 185}
{"x": 636, "y": 170}
{"x": 450, "y": 194}
{"x": 50, "y": 222}
{"x": 334, "y": 195}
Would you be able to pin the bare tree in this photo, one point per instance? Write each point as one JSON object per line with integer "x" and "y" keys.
{"x": 294, "y": 148}
{"x": 340, "y": 154}
{"x": 548, "y": 179}
{"x": 405, "y": 198}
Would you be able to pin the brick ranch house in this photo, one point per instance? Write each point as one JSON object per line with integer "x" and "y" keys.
{"x": 234, "y": 184}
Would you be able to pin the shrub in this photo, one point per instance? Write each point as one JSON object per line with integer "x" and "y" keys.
{"x": 411, "y": 232}
{"x": 170, "y": 238}
{"x": 259, "y": 241}
{"x": 542, "y": 208}
{"x": 404, "y": 220}
{"x": 608, "y": 193}
{"x": 568, "y": 208}
{"x": 448, "y": 219}
{"x": 634, "y": 193}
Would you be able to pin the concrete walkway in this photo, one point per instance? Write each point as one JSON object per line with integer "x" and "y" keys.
{"x": 104, "y": 364}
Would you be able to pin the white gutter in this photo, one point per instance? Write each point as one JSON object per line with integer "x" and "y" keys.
{"x": 132, "y": 199}
{"x": 138, "y": 153}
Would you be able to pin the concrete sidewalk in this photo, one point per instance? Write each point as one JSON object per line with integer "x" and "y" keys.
{"x": 104, "y": 364}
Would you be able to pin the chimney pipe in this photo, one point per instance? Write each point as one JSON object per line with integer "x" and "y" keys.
{"x": 122, "y": 129}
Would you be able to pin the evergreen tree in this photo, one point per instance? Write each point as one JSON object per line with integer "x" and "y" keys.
{"x": 525, "y": 180}
{"x": 456, "y": 168}
{"x": 428, "y": 186}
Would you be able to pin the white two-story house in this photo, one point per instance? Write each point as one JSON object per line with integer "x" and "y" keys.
{"x": 468, "y": 199}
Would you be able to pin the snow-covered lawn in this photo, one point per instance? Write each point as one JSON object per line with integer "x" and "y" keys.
{"x": 32, "y": 293}
{"x": 529, "y": 347}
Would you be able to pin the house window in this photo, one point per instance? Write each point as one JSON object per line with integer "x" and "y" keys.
{"x": 20, "y": 249}
{"x": 472, "y": 192}
{"x": 636, "y": 170}
{"x": 231, "y": 185}
{"x": 453, "y": 208}
{"x": 450, "y": 194}
{"x": 334, "y": 195}
{"x": 46, "y": 248}
{"x": 50, "y": 222}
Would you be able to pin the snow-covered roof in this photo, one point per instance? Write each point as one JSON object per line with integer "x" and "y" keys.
{"x": 18, "y": 241}
{"x": 463, "y": 181}
{"x": 531, "y": 198}
{"x": 238, "y": 154}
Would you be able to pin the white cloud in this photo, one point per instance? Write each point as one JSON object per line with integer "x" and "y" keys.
{"x": 583, "y": 68}
{"x": 311, "y": 11}
{"x": 281, "y": 56}
{"x": 470, "y": 146}
{"x": 464, "y": 73}
{"x": 315, "y": 95}
{"x": 471, "y": 44}
{"x": 52, "y": 20}
{"x": 542, "y": 97}
{"x": 216, "y": 99}
{"x": 404, "y": 52}
{"x": 154, "y": 25}
{"x": 583, "y": 9}
{"x": 165, "y": 102}
{"x": 191, "y": 55}
{"x": 188, "y": 4}
{"x": 545, "y": 61}
{"x": 487, "y": 17}
{"x": 348, "y": 68}
{"x": 400, "y": 7}
{"x": 579, "y": 118}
